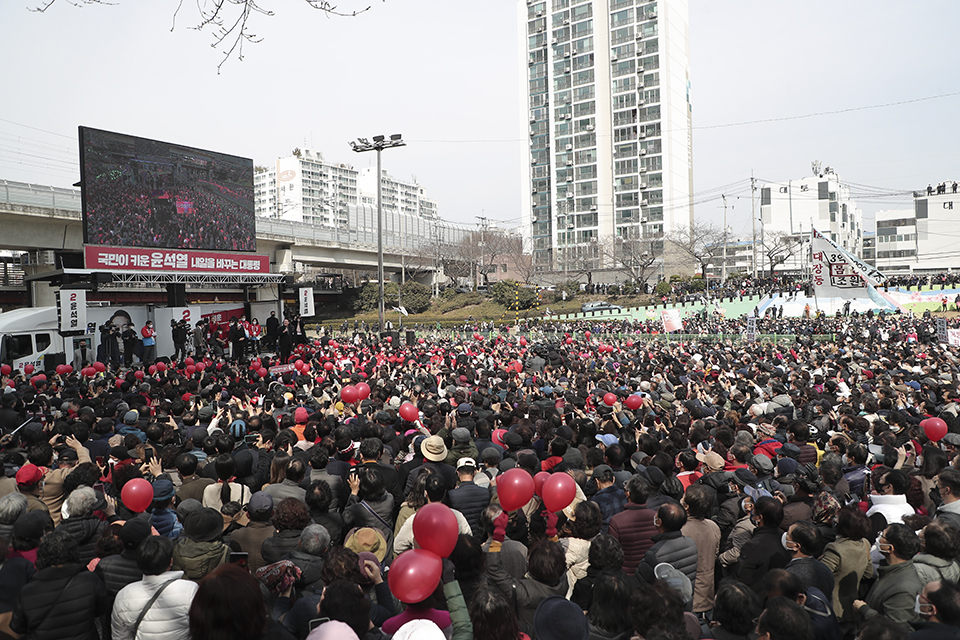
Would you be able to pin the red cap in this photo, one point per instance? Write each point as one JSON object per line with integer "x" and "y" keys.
{"x": 29, "y": 474}
{"x": 300, "y": 415}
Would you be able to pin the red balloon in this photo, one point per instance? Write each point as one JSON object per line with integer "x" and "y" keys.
{"x": 586, "y": 334}
{"x": 328, "y": 366}
{"x": 305, "y": 369}
{"x": 255, "y": 364}
{"x": 38, "y": 379}
{"x": 935, "y": 428}
{"x": 138, "y": 374}
{"x": 363, "y": 390}
{"x": 629, "y": 343}
{"x": 409, "y": 411}
{"x": 349, "y": 394}
{"x": 200, "y": 366}
{"x": 191, "y": 369}
{"x": 137, "y": 494}
{"x": 538, "y": 481}
{"x": 435, "y": 528}
{"x": 414, "y": 575}
{"x": 6, "y": 369}
{"x": 333, "y": 344}
{"x": 515, "y": 487}
{"x": 161, "y": 367}
{"x": 11, "y": 384}
{"x": 420, "y": 341}
{"x": 523, "y": 342}
{"x": 69, "y": 368}
{"x": 389, "y": 338}
{"x": 28, "y": 369}
{"x": 100, "y": 367}
{"x": 609, "y": 399}
{"x": 298, "y": 365}
{"x": 61, "y": 369}
{"x": 152, "y": 369}
{"x": 633, "y": 402}
{"x": 262, "y": 372}
{"x": 559, "y": 491}
{"x": 569, "y": 340}
{"x": 189, "y": 361}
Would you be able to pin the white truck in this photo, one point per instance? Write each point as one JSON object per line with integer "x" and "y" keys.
{"x": 28, "y": 335}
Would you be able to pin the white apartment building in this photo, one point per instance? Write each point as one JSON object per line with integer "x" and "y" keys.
{"x": 398, "y": 196}
{"x": 606, "y": 88}
{"x": 306, "y": 188}
{"x": 818, "y": 201}
{"x": 921, "y": 240}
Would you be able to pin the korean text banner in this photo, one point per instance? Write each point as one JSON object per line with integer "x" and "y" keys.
{"x": 132, "y": 259}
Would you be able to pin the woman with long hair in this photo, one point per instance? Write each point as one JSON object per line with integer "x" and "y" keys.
{"x": 228, "y": 605}
{"x": 225, "y": 490}
{"x": 493, "y": 618}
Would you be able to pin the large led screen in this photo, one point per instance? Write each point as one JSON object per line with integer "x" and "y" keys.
{"x": 145, "y": 193}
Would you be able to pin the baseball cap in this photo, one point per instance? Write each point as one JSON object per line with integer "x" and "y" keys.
{"x": 300, "y": 415}
{"x": 260, "y": 501}
{"x": 460, "y": 434}
{"x": 789, "y": 449}
{"x": 131, "y": 417}
{"x": 29, "y": 474}
{"x": 762, "y": 463}
{"x": 464, "y": 408}
{"x": 608, "y": 439}
{"x": 466, "y": 462}
{"x": 162, "y": 489}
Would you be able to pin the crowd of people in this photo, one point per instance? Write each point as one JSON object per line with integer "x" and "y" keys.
{"x": 789, "y": 491}
{"x": 129, "y": 215}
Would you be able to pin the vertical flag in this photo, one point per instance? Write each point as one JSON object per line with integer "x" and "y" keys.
{"x": 73, "y": 310}
{"x": 306, "y": 302}
{"x": 671, "y": 320}
{"x": 751, "y": 328}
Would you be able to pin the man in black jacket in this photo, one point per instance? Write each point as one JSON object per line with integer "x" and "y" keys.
{"x": 468, "y": 498}
{"x": 763, "y": 551}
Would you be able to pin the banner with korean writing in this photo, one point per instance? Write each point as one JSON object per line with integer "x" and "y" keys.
{"x": 72, "y": 308}
{"x": 306, "y": 302}
{"x": 942, "y": 335}
{"x": 133, "y": 259}
{"x": 836, "y": 273}
{"x": 751, "y": 329}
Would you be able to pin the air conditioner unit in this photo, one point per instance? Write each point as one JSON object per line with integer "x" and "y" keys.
{"x": 532, "y": 132}
{"x": 639, "y": 85}
{"x": 569, "y": 147}
{"x": 643, "y": 185}
{"x": 569, "y": 194}
{"x": 574, "y": 52}
{"x": 539, "y": 29}
{"x": 640, "y": 69}
{"x": 569, "y": 116}
{"x": 554, "y": 41}
{"x": 569, "y": 178}
{"x": 593, "y": 208}
{"x": 590, "y": 127}
{"x": 533, "y": 119}
{"x": 642, "y": 135}
{"x": 569, "y": 163}
{"x": 566, "y": 21}
{"x": 566, "y": 54}
{"x": 643, "y": 152}
{"x": 652, "y": 15}
{"x": 533, "y": 162}
{"x": 613, "y": 58}
{"x": 643, "y": 203}
{"x": 641, "y": 102}
{"x": 531, "y": 63}
{"x": 534, "y": 191}
{"x": 566, "y": 69}
{"x": 643, "y": 169}
{"x": 539, "y": 14}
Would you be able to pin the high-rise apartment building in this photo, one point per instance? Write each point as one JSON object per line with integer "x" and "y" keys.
{"x": 607, "y": 107}
{"x": 306, "y": 188}
{"x": 398, "y": 196}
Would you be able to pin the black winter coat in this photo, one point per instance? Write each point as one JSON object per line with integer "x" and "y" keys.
{"x": 762, "y": 552}
{"x": 61, "y": 603}
{"x": 279, "y": 544}
{"x": 470, "y": 500}
{"x": 118, "y": 571}
{"x": 85, "y": 531}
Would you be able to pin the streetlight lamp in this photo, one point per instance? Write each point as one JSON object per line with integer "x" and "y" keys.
{"x": 379, "y": 144}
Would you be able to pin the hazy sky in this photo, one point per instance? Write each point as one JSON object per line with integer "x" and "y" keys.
{"x": 445, "y": 75}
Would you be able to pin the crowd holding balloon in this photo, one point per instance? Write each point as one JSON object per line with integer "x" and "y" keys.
{"x": 562, "y": 485}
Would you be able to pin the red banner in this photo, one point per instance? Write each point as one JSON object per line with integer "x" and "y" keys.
{"x": 129, "y": 259}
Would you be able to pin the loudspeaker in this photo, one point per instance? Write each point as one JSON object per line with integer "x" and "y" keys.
{"x": 51, "y": 360}
{"x": 176, "y": 295}
{"x": 411, "y": 338}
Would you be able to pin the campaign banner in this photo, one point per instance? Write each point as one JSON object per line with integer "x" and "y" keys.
{"x": 282, "y": 368}
{"x": 306, "y": 302}
{"x": 942, "y": 333}
{"x": 751, "y": 328}
{"x": 953, "y": 337}
{"x": 146, "y": 259}
{"x": 72, "y": 307}
{"x": 671, "y": 320}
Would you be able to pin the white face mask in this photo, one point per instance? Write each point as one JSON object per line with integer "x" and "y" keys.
{"x": 924, "y": 609}
{"x": 787, "y": 543}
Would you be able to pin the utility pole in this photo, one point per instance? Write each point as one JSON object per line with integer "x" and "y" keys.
{"x": 483, "y": 226}
{"x": 723, "y": 265}
{"x": 753, "y": 218}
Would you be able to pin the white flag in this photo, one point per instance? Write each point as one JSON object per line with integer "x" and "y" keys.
{"x": 73, "y": 310}
{"x": 671, "y": 320}
{"x": 837, "y": 273}
{"x": 306, "y": 302}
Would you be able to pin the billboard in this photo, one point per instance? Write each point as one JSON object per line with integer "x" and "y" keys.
{"x": 146, "y": 193}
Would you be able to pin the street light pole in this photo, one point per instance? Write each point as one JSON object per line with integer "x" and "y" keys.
{"x": 379, "y": 144}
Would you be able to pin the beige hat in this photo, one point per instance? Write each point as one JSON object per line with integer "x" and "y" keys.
{"x": 711, "y": 460}
{"x": 434, "y": 449}
{"x": 367, "y": 539}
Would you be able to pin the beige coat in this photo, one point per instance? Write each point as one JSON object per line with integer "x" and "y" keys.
{"x": 706, "y": 534}
{"x": 52, "y": 491}
{"x": 850, "y": 562}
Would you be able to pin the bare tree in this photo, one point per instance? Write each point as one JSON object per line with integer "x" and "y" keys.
{"x": 777, "y": 247}
{"x": 229, "y": 20}
{"x": 520, "y": 259}
{"x": 582, "y": 260}
{"x": 699, "y": 244}
{"x": 634, "y": 257}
